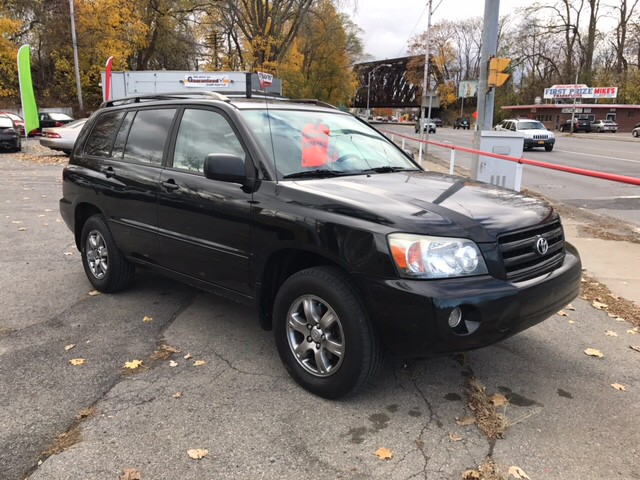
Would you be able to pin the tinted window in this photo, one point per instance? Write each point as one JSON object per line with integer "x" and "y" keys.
{"x": 103, "y": 133}
{"x": 203, "y": 132}
{"x": 148, "y": 136}
{"x": 121, "y": 138}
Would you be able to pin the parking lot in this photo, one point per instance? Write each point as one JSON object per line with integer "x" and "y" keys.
{"x": 211, "y": 383}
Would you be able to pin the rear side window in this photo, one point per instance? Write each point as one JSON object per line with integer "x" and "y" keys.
{"x": 148, "y": 136}
{"x": 103, "y": 133}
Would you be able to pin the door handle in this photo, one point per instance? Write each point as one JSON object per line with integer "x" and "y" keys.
{"x": 108, "y": 172}
{"x": 170, "y": 185}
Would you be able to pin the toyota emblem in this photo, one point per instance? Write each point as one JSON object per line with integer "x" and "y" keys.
{"x": 542, "y": 246}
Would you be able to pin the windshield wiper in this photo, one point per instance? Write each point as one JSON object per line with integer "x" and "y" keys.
{"x": 321, "y": 172}
{"x": 389, "y": 169}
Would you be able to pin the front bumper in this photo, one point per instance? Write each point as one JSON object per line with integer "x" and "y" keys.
{"x": 412, "y": 315}
{"x": 530, "y": 142}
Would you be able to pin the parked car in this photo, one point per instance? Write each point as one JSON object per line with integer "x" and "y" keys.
{"x": 579, "y": 125}
{"x": 438, "y": 122}
{"x": 344, "y": 245}
{"x": 48, "y": 120}
{"x": 426, "y": 122}
{"x": 463, "y": 123}
{"x": 9, "y": 134}
{"x": 62, "y": 138}
{"x": 636, "y": 131}
{"x": 17, "y": 120}
{"x": 534, "y": 132}
{"x": 604, "y": 126}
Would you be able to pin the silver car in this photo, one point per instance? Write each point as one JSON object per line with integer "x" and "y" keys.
{"x": 62, "y": 138}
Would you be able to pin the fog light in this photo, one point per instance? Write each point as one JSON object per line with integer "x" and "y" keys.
{"x": 455, "y": 317}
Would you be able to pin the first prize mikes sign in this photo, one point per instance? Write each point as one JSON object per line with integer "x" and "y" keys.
{"x": 580, "y": 91}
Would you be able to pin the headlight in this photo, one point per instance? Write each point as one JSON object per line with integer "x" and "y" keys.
{"x": 420, "y": 256}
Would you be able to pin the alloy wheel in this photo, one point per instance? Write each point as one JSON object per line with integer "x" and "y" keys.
{"x": 97, "y": 254}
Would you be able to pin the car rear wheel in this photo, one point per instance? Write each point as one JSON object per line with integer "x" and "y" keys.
{"x": 323, "y": 333}
{"x": 104, "y": 264}
{"x": 635, "y": 133}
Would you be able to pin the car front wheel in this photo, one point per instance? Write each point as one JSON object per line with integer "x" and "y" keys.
{"x": 104, "y": 264}
{"x": 548, "y": 148}
{"x": 323, "y": 333}
{"x": 635, "y": 133}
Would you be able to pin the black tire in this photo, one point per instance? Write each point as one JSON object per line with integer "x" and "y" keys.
{"x": 337, "y": 358}
{"x": 104, "y": 264}
{"x": 548, "y": 148}
{"x": 635, "y": 133}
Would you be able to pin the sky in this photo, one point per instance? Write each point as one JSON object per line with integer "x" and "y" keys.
{"x": 387, "y": 25}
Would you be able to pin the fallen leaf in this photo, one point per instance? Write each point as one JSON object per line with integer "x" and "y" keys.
{"x": 69, "y": 347}
{"x": 67, "y": 254}
{"x": 177, "y": 395}
{"x": 592, "y": 352}
{"x": 612, "y": 315}
{"x": 199, "y": 363}
{"x": 614, "y": 296}
{"x": 16, "y": 222}
{"x": 133, "y": 364}
{"x": 187, "y": 356}
{"x": 617, "y": 386}
{"x": 599, "y": 305}
{"x": 562, "y": 313}
{"x": 471, "y": 475}
{"x": 635, "y": 347}
{"x": 48, "y": 210}
{"x": 170, "y": 349}
{"x": 620, "y": 319}
{"x": 197, "y": 453}
{"x": 583, "y": 280}
{"x": 610, "y": 333}
{"x": 572, "y": 321}
{"x": 633, "y": 331}
{"x": 93, "y": 293}
{"x": 147, "y": 319}
{"x": 455, "y": 437}
{"x": 173, "y": 363}
{"x": 498, "y": 400}
{"x": 76, "y": 361}
{"x": 517, "y": 472}
{"x": 383, "y": 453}
{"x": 130, "y": 474}
{"x": 570, "y": 307}
{"x": 21, "y": 229}
{"x": 464, "y": 421}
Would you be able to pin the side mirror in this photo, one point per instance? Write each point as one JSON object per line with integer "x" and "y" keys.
{"x": 225, "y": 167}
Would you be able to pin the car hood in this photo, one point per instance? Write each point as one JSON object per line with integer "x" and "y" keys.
{"x": 422, "y": 202}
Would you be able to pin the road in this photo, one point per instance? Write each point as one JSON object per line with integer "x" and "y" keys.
{"x": 93, "y": 421}
{"x": 610, "y": 153}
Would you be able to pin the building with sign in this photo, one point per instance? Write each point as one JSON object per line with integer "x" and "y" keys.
{"x": 566, "y": 106}
{"x": 553, "y": 114}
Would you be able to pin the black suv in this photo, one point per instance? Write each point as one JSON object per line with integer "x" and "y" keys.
{"x": 463, "y": 123}
{"x": 579, "y": 125}
{"x": 345, "y": 246}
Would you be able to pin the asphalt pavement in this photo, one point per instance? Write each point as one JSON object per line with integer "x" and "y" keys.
{"x": 211, "y": 382}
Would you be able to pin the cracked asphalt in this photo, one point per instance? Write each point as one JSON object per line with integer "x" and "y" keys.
{"x": 565, "y": 419}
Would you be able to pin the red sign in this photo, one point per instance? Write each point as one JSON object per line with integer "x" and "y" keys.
{"x": 475, "y": 115}
{"x": 107, "y": 79}
{"x": 315, "y": 145}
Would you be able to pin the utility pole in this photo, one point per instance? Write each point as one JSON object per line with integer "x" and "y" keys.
{"x": 423, "y": 105}
{"x": 75, "y": 54}
{"x": 485, "y": 95}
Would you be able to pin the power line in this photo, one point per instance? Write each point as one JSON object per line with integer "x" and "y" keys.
{"x": 412, "y": 30}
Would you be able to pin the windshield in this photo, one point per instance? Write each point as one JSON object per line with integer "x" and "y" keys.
{"x": 530, "y": 126}
{"x": 316, "y": 141}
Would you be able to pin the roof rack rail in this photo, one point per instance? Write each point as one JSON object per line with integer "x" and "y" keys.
{"x": 315, "y": 102}
{"x": 163, "y": 96}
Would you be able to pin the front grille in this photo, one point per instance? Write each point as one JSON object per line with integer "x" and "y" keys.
{"x": 540, "y": 137}
{"x": 520, "y": 256}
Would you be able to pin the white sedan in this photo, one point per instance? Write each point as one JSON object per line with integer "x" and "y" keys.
{"x": 62, "y": 138}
